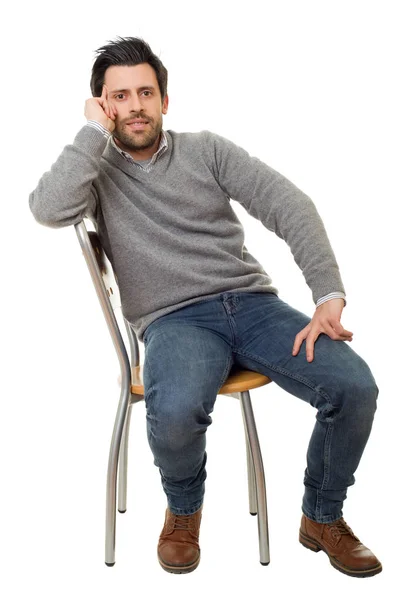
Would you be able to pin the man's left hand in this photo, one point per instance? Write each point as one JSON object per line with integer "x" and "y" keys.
{"x": 326, "y": 320}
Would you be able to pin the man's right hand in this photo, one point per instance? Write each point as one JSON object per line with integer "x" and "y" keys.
{"x": 101, "y": 110}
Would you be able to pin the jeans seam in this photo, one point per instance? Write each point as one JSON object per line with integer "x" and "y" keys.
{"x": 281, "y": 371}
{"x": 147, "y": 399}
{"x": 329, "y": 431}
{"x": 227, "y": 369}
{"x": 186, "y": 511}
{"x": 230, "y": 319}
{"x": 230, "y": 323}
{"x": 326, "y": 519}
{"x": 147, "y": 365}
{"x": 327, "y": 449}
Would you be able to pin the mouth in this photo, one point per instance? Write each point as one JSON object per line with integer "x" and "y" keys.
{"x": 137, "y": 124}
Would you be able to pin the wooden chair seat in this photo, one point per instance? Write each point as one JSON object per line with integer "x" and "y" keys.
{"x": 238, "y": 381}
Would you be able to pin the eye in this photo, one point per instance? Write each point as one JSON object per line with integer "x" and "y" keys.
{"x": 119, "y": 96}
{"x": 146, "y": 93}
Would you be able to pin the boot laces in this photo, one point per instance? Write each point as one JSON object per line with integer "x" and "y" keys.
{"x": 183, "y": 522}
{"x": 340, "y": 528}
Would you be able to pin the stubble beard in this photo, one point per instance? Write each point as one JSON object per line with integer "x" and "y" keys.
{"x": 139, "y": 140}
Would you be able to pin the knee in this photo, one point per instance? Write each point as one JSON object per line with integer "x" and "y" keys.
{"x": 350, "y": 389}
{"x": 359, "y": 392}
{"x": 363, "y": 388}
{"x": 177, "y": 424}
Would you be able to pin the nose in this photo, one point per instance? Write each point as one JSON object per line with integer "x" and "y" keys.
{"x": 135, "y": 104}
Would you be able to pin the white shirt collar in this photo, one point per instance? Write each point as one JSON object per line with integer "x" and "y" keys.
{"x": 163, "y": 145}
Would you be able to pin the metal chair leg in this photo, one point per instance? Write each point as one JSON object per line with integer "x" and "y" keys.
{"x": 123, "y": 464}
{"x": 256, "y": 459}
{"x": 111, "y": 489}
{"x": 251, "y": 481}
{"x": 113, "y": 327}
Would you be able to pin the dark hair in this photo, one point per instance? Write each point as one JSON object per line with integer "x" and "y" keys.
{"x": 128, "y": 51}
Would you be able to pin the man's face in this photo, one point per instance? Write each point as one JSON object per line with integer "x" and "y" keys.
{"x": 135, "y": 94}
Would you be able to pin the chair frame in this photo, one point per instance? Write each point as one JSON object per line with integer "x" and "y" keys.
{"x": 118, "y": 454}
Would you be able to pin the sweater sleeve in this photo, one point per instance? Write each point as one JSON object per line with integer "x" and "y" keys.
{"x": 281, "y": 207}
{"x": 66, "y": 194}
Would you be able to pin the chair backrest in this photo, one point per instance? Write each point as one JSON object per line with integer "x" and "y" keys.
{"x": 106, "y": 287}
{"x": 107, "y": 273}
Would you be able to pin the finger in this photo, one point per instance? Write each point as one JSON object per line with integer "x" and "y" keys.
{"x": 106, "y": 108}
{"x": 347, "y": 333}
{"x": 338, "y": 327}
{"x": 336, "y": 331}
{"x": 104, "y": 101}
{"x": 310, "y": 342}
{"x": 333, "y": 333}
{"x": 299, "y": 339}
{"x": 113, "y": 111}
{"x": 342, "y": 338}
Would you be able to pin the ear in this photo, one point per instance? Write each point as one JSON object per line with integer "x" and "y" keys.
{"x": 165, "y": 105}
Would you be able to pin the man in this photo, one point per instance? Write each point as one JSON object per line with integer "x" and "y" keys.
{"x": 201, "y": 303}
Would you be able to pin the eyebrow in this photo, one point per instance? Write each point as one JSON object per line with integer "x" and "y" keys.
{"x": 140, "y": 89}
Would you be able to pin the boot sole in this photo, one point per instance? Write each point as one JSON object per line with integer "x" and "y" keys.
{"x": 179, "y": 569}
{"x": 311, "y": 544}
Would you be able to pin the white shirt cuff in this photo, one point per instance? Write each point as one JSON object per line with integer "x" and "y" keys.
{"x": 331, "y": 296}
{"x": 99, "y": 127}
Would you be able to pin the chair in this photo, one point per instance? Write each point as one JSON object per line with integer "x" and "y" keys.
{"x": 237, "y": 385}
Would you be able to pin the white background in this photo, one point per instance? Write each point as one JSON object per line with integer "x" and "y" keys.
{"x": 311, "y": 88}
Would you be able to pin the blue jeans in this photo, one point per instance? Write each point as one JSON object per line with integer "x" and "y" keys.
{"x": 189, "y": 354}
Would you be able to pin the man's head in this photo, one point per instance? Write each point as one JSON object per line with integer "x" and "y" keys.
{"x": 136, "y": 82}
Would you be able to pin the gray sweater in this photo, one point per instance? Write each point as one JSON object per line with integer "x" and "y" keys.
{"x": 170, "y": 232}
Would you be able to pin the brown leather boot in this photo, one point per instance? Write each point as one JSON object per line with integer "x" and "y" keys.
{"x": 345, "y": 551}
{"x": 178, "y": 547}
